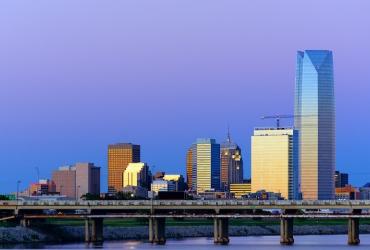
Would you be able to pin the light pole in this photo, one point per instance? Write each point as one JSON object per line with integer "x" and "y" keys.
{"x": 60, "y": 189}
{"x": 38, "y": 174}
{"x": 77, "y": 189}
{"x": 18, "y": 183}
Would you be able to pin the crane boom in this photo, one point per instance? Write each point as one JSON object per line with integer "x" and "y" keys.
{"x": 277, "y": 117}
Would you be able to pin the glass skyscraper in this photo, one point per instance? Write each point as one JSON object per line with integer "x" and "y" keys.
{"x": 315, "y": 121}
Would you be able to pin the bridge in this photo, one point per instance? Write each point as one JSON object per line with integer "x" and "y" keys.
{"x": 156, "y": 211}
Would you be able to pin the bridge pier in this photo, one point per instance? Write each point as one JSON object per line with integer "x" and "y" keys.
{"x": 354, "y": 229}
{"x": 221, "y": 231}
{"x": 286, "y": 229}
{"x": 25, "y": 222}
{"x": 157, "y": 231}
{"x": 94, "y": 230}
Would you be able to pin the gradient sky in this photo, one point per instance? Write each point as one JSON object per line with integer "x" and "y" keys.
{"x": 78, "y": 75}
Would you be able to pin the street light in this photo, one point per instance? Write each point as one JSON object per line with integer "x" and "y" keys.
{"x": 38, "y": 174}
{"x": 77, "y": 189}
{"x": 18, "y": 183}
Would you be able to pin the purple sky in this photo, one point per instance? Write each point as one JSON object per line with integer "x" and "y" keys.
{"x": 78, "y": 75}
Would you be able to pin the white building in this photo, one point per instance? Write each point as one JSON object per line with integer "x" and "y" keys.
{"x": 163, "y": 186}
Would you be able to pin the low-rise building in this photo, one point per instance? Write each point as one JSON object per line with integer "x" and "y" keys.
{"x": 162, "y": 186}
{"x": 347, "y": 193}
{"x": 177, "y": 179}
{"x": 136, "y": 191}
{"x": 262, "y": 195}
{"x": 42, "y": 187}
{"x": 240, "y": 189}
{"x": 365, "y": 192}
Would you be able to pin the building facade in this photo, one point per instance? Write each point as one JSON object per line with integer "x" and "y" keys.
{"x": 315, "y": 121}
{"x": 240, "y": 189}
{"x": 177, "y": 179}
{"x": 119, "y": 156}
{"x": 163, "y": 186}
{"x": 274, "y": 159}
{"x": 189, "y": 168}
{"x": 77, "y": 180}
{"x": 340, "y": 179}
{"x": 206, "y": 166}
{"x": 231, "y": 164}
{"x": 65, "y": 181}
{"x": 137, "y": 175}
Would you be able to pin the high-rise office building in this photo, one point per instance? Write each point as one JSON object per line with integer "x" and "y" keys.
{"x": 206, "y": 165}
{"x": 77, "y": 180}
{"x": 231, "y": 164}
{"x": 315, "y": 121}
{"x": 137, "y": 175}
{"x": 87, "y": 179}
{"x": 275, "y": 166}
{"x": 119, "y": 156}
{"x": 340, "y": 179}
{"x": 189, "y": 167}
{"x": 65, "y": 181}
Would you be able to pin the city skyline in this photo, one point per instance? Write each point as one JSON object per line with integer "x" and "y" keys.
{"x": 57, "y": 112}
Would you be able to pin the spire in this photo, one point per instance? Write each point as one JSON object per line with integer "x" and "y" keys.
{"x": 228, "y": 134}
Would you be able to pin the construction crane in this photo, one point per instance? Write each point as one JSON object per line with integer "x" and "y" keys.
{"x": 278, "y": 117}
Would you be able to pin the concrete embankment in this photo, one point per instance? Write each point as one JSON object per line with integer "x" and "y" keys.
{"x": 76, "y": 234}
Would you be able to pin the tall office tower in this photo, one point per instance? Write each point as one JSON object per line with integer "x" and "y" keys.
{"x": 231, "y": 164}
{"x": 77, "y": 180}
{"x": 87, "y": 179}
{"x": 136, "y": 174}
{"x": 189, "y": 168}
{"x": 65, "y": 181}
{"x": 340, "y": 179}
{"x": 275, "y": 165}
{"x": 206, "y": 165}
{"x": 315, "y": 121}
{"x": 119, "y": 156}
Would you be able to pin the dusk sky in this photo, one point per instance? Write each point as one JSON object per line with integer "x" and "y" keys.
{"x": 76, "y": 76}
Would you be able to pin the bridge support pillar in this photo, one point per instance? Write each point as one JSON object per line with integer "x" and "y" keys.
{"x": 25, "y": 222}
{"x": 94, "y": 230}
{"x": 354, "y": 229}
{"x": 221, "y": 231}
{"x": 87, "y": 231}
{"x": 157, "y": 231}
{"x": 286, "y": 228}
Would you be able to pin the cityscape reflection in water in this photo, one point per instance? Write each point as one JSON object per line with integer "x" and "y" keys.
{"x": 336, "y": 242}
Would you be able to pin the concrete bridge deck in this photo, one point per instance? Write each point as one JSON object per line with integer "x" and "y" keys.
{"x": 185, "y": 204}
{"x": 156, "y": 212}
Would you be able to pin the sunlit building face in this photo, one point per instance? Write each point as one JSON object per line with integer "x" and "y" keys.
{"x": 315, "y": 121}
{"x": 119, "y": 156}
{"x": 275, "y": 165}
{"x": 206, "y": 165}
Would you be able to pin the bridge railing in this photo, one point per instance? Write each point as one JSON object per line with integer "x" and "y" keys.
{"x": 251, "y": 203}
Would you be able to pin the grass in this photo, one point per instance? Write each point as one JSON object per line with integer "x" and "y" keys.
{"x": 195, "y": 222}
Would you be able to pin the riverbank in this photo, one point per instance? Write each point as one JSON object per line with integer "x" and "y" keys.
{"x": 76, "y": 233}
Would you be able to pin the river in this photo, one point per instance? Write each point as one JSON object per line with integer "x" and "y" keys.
{"x": 332, "y": 242}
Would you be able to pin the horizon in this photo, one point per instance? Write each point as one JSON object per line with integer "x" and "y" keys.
{"x": 155, "y": 77}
